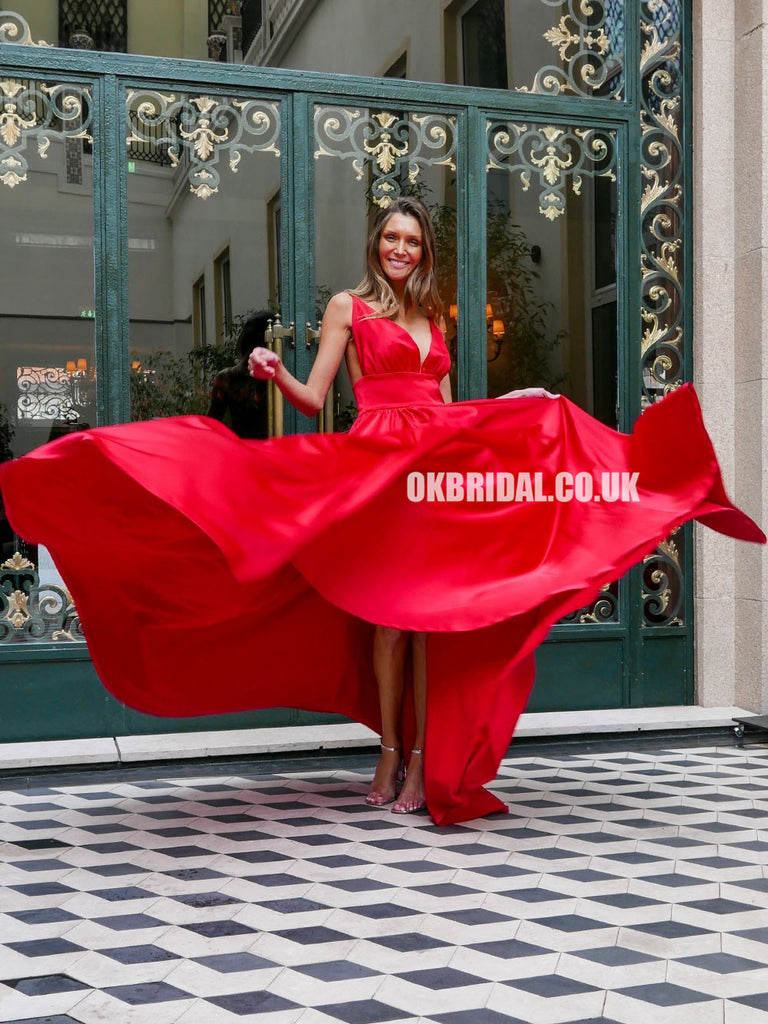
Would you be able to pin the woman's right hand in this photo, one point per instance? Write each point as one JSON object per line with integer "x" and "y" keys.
{"x": 263, "y": 363}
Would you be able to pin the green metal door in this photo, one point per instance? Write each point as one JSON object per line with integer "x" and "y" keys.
{"x": 150, "y": 207}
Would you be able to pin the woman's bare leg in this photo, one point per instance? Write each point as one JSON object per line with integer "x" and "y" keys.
{"x": 390, "y": 647}
{"x": 412, "y": 796}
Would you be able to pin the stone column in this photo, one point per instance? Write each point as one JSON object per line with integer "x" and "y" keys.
{"x": 714, "y": 331}
{"x": 750, "y": 190}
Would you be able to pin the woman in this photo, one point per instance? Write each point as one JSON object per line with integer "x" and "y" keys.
{"x": 399, "y": 285}
{"x": 216, "y": 574}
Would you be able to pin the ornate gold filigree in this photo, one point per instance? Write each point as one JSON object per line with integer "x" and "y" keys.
{"x": 392, "y": 146}
{"x": 39, "y": 112}
{"x": 14, "y": 29}
{"x": 197, "y": 131}
{"x": 558, "y": 155}
{"x": 589, "y": 57}
{"x": 17, "y": 563}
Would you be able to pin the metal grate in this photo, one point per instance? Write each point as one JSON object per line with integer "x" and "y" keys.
{"x": 216, "y": 11}
{"x": 105, "y": 21}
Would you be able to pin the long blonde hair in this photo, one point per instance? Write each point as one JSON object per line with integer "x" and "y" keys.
{"x": 421, "y": 287}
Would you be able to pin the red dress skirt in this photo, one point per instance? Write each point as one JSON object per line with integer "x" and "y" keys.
{"x": 214, "y": 574}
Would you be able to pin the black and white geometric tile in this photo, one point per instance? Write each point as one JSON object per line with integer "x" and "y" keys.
{"x": 622, "y": 887}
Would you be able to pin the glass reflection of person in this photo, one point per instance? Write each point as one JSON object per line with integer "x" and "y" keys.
{"x": 236, "y": 393}
{"x": 399, "y": 285}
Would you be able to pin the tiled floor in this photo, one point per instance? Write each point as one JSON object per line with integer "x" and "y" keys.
{"x": 623, "y": 887}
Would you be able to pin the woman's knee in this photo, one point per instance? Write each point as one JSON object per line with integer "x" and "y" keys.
{"x": 389, "y": 638}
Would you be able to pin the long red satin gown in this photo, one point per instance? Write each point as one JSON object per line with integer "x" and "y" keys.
{"x": 214, "y": 574}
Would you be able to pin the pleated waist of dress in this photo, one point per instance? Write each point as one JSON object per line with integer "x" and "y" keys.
{"x": 396, "y": 390}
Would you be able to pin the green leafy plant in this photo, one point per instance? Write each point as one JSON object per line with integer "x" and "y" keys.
{"x": 164, "y": 384}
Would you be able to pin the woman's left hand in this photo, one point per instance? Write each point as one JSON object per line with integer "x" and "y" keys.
{"x": 529, "y": 393}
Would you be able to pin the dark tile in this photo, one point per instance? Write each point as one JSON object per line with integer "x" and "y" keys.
{"x": 130, "y": 922}
{"x": 244, "y": 1003}
{"x": 177, "y": 832}
{"x": 720, "y": 862}
{"x": 721, "y": 906}
{"x": 359, "y": 884}
{"x": 670, "y": 929}
{"x": 509, "y": 949}
{"x": 394, "y": 844}
{"x": 234, "y": 963}
{"x": 673, "y": 880}
{"x": 408, "y": 942}
{"x": 366, "y": 1011}
{"x": 260, "y": 856}
{"x": 188, "y": 851}
{"x": 276, "y": 879}
{"x": 319, "y": 839}
{"x": 627, "y": 901}
{"x": 44, "y": 947}
{"x": 551, "y": 986}
{"x": 664, "y": 994}
{"x": 193, "y": 874}
{"x": 571, "y": 923}
{"x": 42, "y": 889}
{"x": 383, "y": 911}
{"x": 472, "y": 849}
{"x": 250, "y": 835}
{"x": 586, "y": 875}
{"x": 293, "y": 906}
{"x": 757, "y": 1002}
{"x": 104, "y": 848}
{"x": 551, "y": 853}
{"x": 477, "y": 915}
{"x": 43, "y": 915}
{"x": 757, "y": 884}
{"x": 313, "y": 935}
{"x": 534, "y": 895}
{"x": 147, "y": 992}
{"x": 440, "y": 978}
{"x": 216, "y": 929}
{"x": 113, "y": 870}
{"x": 444, "y": 889}
{"x": 723, "y": 963}
{"x": 417, "y": 867}
{"x": 614, "y": 956}
{"x": 755, "y": 934}
{"x": 206, "y": 899}
{"x": 339, "y": 861}
{"x": 123, "y": 894}
{"x": 335, "y": 970}
{"x": 500, "y": 871}
{"x": 47, "y": 985}
{"x": 43, "y": 864}
{"x": 146, "y": 954}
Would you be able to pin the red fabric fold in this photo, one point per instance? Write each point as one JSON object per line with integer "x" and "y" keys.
{"x": 217, "y": 575}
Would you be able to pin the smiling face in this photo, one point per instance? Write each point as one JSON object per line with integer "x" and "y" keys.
{"x": 400, "y": 248}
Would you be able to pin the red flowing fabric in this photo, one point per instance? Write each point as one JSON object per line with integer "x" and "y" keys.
{"x": 214, "y": 574}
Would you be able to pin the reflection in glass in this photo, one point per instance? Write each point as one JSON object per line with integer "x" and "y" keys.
{"x": 551, "y": 263}
{"x": 203, "y": 185}
{"x": 548, "y": 46}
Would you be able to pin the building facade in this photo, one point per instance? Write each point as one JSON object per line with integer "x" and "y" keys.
{"x": 597, "y": 185}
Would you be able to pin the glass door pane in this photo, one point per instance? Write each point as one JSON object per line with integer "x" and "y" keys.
{"x": 47, "y": 315}
{"x": 205, "y": 267}
{"x": 365, "y": 158}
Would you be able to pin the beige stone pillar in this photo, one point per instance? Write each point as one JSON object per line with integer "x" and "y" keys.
{"x": 750, "y": 188}
{"x": 730, "y": 304}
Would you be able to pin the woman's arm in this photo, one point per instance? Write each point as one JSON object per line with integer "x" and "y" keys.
{"x": 445, "y": 389}
{"x": 334, "y": 336}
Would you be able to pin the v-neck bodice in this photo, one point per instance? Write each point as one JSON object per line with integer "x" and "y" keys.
{"x": 384, "y": 346}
